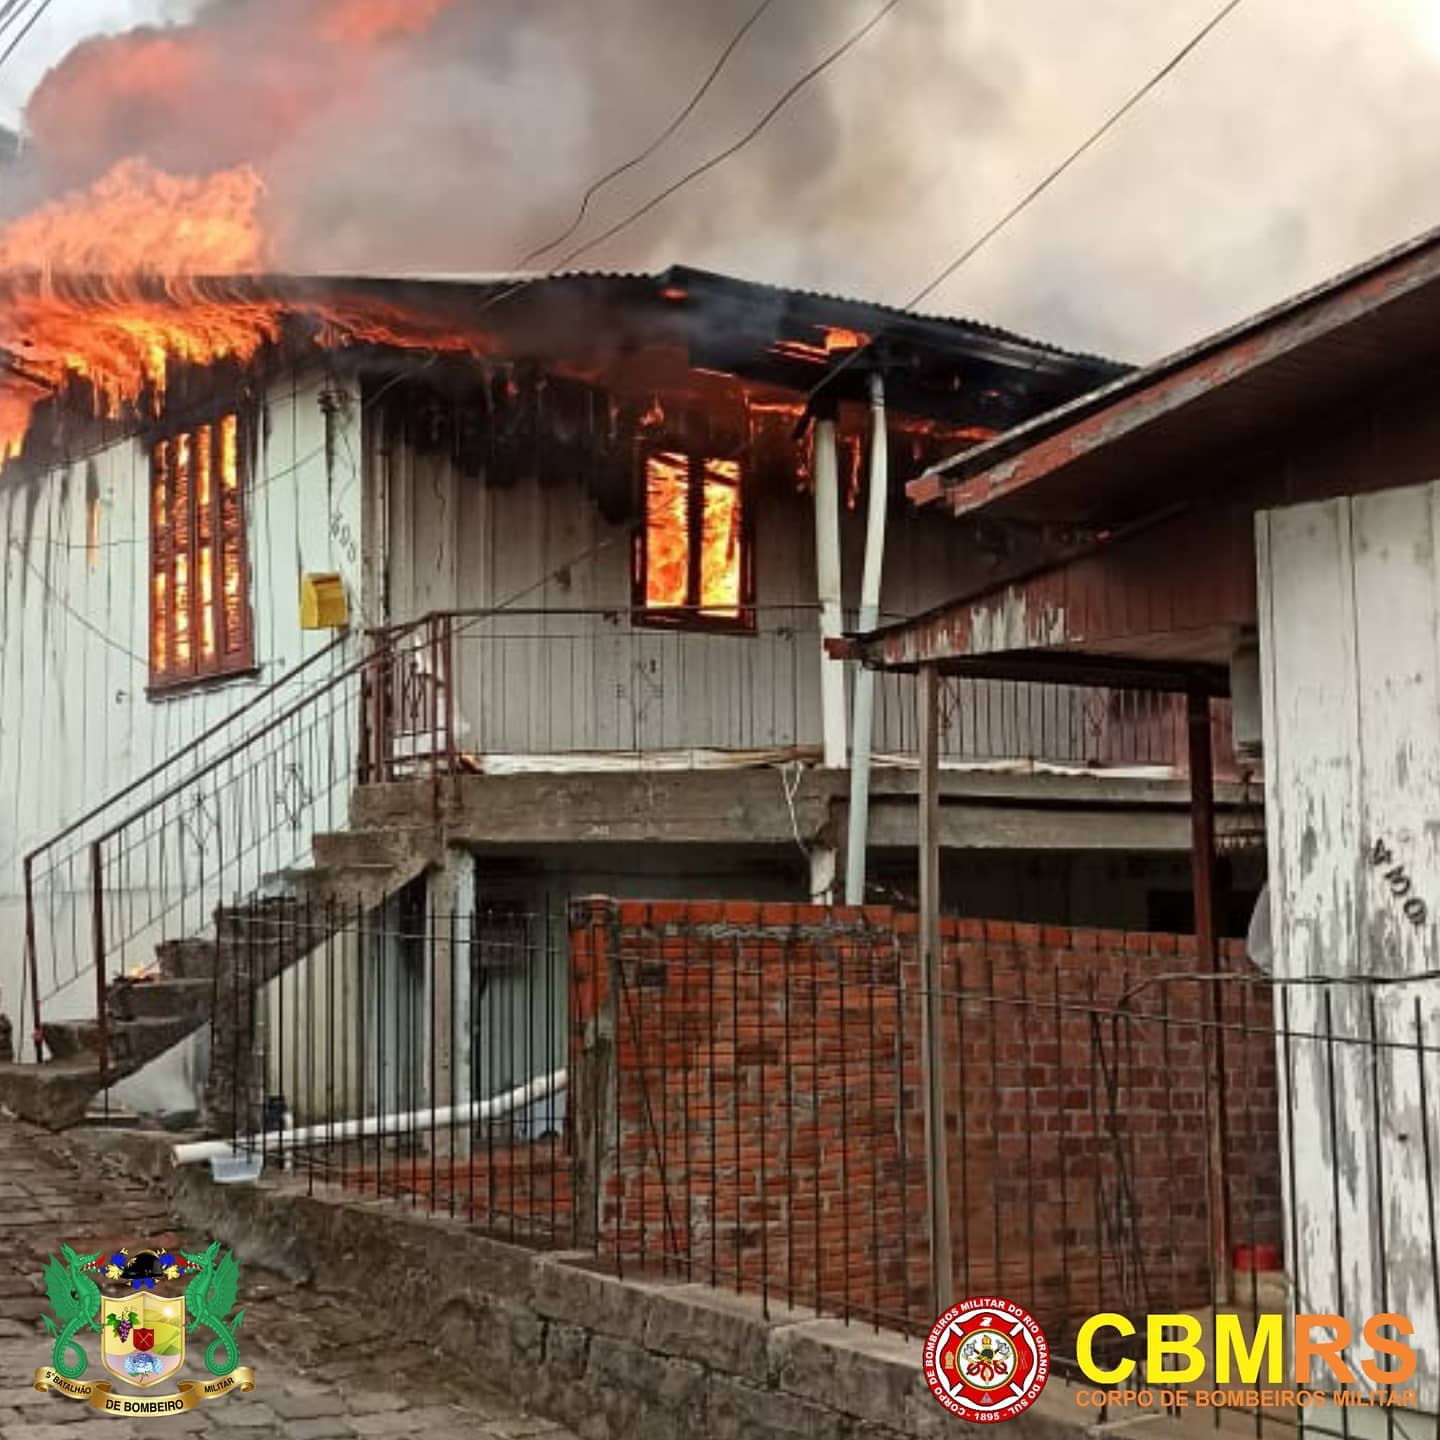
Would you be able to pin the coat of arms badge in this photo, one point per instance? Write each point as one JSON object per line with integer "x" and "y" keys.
{"x": 142, "y": 1330}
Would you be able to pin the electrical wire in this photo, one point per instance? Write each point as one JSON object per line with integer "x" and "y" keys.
{"x": 35, "y": 17}
{"x": 610, "y": 175}
{"x": 74, "y": 614}
{"x": 810, "y": 75}
{"x": 10, "y": 11}
{"x": 1034, "y": 193}
{"x": 718, "y": 159}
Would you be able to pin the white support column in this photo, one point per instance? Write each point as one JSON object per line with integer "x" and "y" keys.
{"x": 869, "y": 617}
{"x": 827, "y": 574}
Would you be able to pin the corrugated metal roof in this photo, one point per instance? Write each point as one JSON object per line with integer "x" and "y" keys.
{"x": 1269, "y": 361}
{"x": 713, "y": 283}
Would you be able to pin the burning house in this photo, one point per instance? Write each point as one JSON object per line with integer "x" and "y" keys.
{"x": 365, "y": 590}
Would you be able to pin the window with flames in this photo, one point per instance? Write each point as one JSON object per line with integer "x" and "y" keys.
{"x": 199, "y": 582}
{"x": 694, "y": 560}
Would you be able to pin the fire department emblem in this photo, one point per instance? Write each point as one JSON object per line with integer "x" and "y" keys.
{"x": 986, "y": 1359}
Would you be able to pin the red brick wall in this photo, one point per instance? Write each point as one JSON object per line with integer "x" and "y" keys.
{"x": 762, "y": 1081}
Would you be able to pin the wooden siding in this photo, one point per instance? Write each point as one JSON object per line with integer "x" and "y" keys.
{"x": 1350, "y": 623}
{"x": 590, "y": 680}
{"x": 75, "y": 721}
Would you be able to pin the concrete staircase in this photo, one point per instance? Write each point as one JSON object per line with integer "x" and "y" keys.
{"x": 210, "y": 980}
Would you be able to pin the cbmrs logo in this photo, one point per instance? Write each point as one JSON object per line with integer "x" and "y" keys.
{"x": 986, "y": 1359}
{"x": 1242, "y": 1356}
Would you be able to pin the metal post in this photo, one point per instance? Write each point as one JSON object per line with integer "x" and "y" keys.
{"x": 32, "y": 960}
{"x": 1202, "y": 869}
{"x": 97, "y": 936}
{"x": 869, "y": 618}
{"x": 827, "y": 580}
{"x": 942, "y": 1281}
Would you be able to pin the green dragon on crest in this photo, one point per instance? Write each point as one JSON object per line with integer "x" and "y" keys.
{"x": 75, "y": 1299}
{"x": 209, "y": 1300}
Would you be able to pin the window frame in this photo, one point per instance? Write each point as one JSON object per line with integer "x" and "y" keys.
{"x": 230, "y": 662}
{"x": 691, "y": 616}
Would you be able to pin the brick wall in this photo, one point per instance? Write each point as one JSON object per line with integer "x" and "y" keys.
{"x": 747, "y": 1083}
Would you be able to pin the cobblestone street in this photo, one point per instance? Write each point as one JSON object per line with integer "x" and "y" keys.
{"x": 321, "y": 1369}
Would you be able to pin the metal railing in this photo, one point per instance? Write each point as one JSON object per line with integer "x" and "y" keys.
{"x": 230, "y": 814}
{"x": 527, "y": 687}
{"x": 404, "y": 1053}
{"x": 58, "y": 874}
{"x": 220, "y": 821}
{"x": 733, "y": 1094}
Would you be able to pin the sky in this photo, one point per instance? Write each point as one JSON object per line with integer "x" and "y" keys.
{"x": 1301, "y": 137}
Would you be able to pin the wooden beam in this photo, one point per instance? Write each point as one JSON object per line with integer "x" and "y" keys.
{"x": 1207, "y": 948}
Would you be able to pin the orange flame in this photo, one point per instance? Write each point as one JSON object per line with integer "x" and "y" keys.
{"x": 140, "y": 221}
{"x": 362, "y": 22}
{"x": 668, "y": 500}
{"x": 83, "y": 296}
{"x": 667, "y": 531}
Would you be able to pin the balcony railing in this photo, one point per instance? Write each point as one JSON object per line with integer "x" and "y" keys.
{"x": 502, "y": 690}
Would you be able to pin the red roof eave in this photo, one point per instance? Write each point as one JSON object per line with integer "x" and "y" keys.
{"x": 1148, "y": 395}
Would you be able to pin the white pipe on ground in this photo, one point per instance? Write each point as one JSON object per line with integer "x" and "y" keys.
{"x": 401, "y": 1123}
{"x": 827, "y": 581}
{"x": 869, "y": 618}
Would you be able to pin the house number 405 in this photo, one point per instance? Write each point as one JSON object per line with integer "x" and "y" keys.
{"x": 1412, "y": 907}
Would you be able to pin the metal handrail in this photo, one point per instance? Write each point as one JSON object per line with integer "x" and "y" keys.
{"x": 110, "y": 801}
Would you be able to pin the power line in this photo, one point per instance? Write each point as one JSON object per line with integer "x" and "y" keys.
{"x": 30, "y": 24}
{"x": 10, "y": 11}
{"x": 1092, "y": 140}
{"x": 74, "y": 614}
{"x": 810, "y": 75}
{"x": 974, "y": 248}
{"x": 656, "y": 143}
{"x": 813, "y": 73}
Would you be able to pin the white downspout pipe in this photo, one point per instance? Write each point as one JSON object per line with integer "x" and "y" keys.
{"x": 869, "y": 618}
{"x": 402, "y": 1123}
{"x": 827, "y": 578}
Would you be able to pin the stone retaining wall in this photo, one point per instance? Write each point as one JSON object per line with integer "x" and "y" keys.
{"x": 610, "y": 1358}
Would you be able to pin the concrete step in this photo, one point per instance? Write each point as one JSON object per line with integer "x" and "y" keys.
{"x": 55, "y": 1095}
{"x": 71, "y": 1039}
{"x": 395, "y": 845}
{"x": 186, "y": 959}
{"x": 131, "y": 1042}
{"x": 271, "y": 918}
{"x": 162, "y": 999}
{"x": 354, "y": 887}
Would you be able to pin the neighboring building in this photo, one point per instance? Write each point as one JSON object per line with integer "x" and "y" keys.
{"x": 602, "y": 492}
{"x": 1262, "y": 517}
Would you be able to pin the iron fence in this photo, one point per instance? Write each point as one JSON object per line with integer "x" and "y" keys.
{"x": 733, "y": 1094}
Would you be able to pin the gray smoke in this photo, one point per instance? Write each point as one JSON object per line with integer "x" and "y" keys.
{"x": 1299, "y": 138}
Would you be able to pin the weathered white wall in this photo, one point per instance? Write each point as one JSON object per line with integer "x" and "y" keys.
{"x": 1349, "y": 594}
{"x": 562, "y": 684}
{"x": 75, "y": 722}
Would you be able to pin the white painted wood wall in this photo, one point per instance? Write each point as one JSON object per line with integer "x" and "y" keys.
{"x": 1349, "y": 594}
{"x": 562, "y": 684}
{"x": 75, "y": 722}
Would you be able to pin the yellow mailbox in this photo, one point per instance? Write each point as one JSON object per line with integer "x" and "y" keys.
{"x": 323, "y": 603}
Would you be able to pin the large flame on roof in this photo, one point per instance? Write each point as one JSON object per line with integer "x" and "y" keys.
{"x": 108, "y": 286}
{"x": 97, "y": 284}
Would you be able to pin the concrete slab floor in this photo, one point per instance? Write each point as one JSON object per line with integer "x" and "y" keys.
{"x": 323, "y": 1371}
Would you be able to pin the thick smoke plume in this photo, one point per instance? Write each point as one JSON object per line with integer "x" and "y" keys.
{"x": 413, "y": 136}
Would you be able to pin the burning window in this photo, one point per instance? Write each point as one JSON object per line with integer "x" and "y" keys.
{"x": 199, "y": 587}
{"x": 693, "y": 554}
